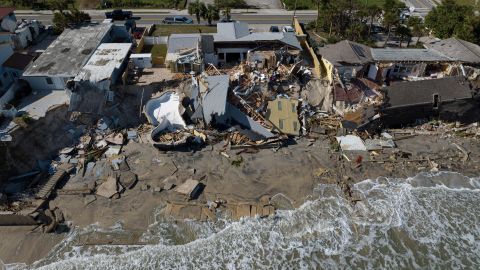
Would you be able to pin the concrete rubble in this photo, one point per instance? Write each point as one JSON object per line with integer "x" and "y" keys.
{"x": 272, "y": 100}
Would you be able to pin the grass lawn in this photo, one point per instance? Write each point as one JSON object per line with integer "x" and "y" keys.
{"x": 159, "y": 50}
{"x": 166, "y": 30}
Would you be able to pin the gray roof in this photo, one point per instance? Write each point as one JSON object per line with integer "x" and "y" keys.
{"x": 69, "y": 52}
{"x": 215, "y": 99}
{"x": 178, "y": 42}
{"x": 239, "y": 32}
{"x": 457, "y": 49}
{"x": 346, "y": 52}
{"x": 233, "y": 30}
{"x": 207, "y": 44}
{"x": 408, "y": 55}
{"x": 421, "y": 92}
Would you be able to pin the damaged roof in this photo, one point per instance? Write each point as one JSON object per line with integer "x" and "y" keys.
{"x": 239, "y": 32}
{"x": 346, "y": 52}
{"x": 408, "y": 55}
{"x": 106, "y": 59}
{"x": 66, "y": 56}
{"x": 215, "y": 99}
{"x": 412, "y": 93}
{"x": 457, "y": 49}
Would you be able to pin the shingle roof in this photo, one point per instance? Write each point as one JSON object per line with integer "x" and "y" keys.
{"x": 421, "y": 92}
{"x": 408, "y": 55}
{"x": 457, "y": 49}
{"x": 346, "y": 52}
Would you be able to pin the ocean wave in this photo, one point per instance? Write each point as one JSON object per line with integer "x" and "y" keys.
{"x": 427, "y": 221}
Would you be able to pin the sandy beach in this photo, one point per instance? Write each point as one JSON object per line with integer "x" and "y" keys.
{"x": 293, "y": 171}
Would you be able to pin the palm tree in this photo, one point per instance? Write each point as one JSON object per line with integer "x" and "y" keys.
{"x": 404, "y": 33}
{"x": 198, "y": 8}
{"x": 373, "y": 12}
{"x": 227, "y": 13}
{"x": 417, "y": 26}
{"x": 211, "y": 14}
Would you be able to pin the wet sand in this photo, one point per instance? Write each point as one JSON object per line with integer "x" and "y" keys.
{"x": 293, "y": 171}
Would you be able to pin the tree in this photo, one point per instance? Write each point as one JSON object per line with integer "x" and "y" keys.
{"x": 211, "y": 14}
{"x": 227, "y": 14}
{"x": 198, "y": 8}
{"x": 453, "y": 20}
{"x": 404, "y": 33}
{"x": 60, "y": 5}
{"x": 417, "y": 27}
{"x": 73, "y": 17}
{"x": 391, "y": 16}
{"x": 373, "y": 12}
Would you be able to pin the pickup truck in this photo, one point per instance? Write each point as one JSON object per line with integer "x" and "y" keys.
{"x": 177, "y": 20}
{"x": 119, "y": 14}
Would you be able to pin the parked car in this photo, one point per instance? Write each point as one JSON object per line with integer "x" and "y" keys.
{"x": 177, "y": 20}
{"x": 288, "y": 29}
{"x": 119, "y": 14}
{"x": 274, "y": 28}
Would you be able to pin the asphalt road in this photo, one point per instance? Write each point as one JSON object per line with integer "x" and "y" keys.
{"x": 152, "y": 18}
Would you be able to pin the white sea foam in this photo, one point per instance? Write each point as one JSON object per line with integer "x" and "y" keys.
{"x": 428, "y": 221}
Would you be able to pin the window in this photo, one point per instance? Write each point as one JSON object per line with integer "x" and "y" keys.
{"x": 295, "y": 126}
{"x": 49, "y": 80}
{"x": 279, "y": 105}
{"x": 280, "y": 123}
{"x": 221, "y": 56}
{"x": 436, "y": 101}
{"x": 294, "y": 108}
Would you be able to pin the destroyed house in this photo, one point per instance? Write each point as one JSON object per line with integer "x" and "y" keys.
{"x": 209, "y": 104}
{"x": 398, "y": 63}
{"x": 458, "y": 50}
{"x": 282, "y": 113}
{"x": 65, "y": 57}
{"x": 234, "y": 40}
{"x": 348, "y": 57}
{"x": 184, "y": 52}
{"x": 92, "y": 87}
{"x": 450, "y": 98}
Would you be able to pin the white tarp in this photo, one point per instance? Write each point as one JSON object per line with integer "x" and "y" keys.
{"x": 351, "y": 143}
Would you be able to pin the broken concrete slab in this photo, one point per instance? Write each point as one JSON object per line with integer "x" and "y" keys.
{"x": 127, "y": 179}
{"x": 191, "y": 188}
{"x": 351, "y": 143}
{"x": 113, "y": 150}
{"x": 115, "y": 138}
{"x": 88, "y": 199}
{"x": 108, "y": 188}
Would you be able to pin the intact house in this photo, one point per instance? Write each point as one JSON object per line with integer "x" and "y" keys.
{"x": 93, "y": 86}
{"x": 449, "y": 98}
